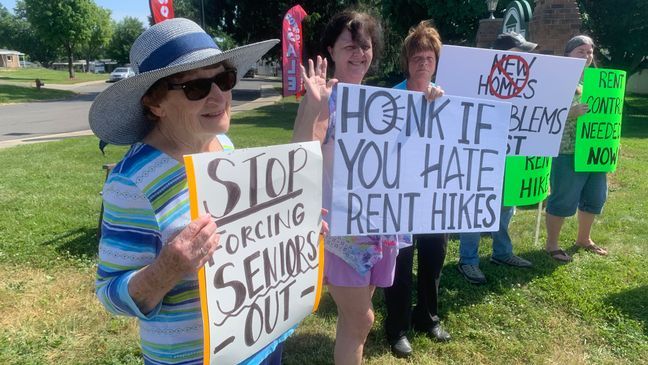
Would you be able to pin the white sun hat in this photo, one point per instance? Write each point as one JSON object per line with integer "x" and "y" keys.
{"x": 117, "y": 115}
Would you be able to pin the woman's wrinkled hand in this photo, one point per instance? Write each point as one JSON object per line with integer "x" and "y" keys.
{"x": 433, "y": 92}
{"x": 578, "y": 109}
{"x": 192, "y": 247}
{"x": 317, "y": 88}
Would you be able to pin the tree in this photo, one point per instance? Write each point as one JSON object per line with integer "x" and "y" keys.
{"x": 100, "y": 35}
{"x": 191, "y": 10}
{"x": 187, "y": 9}
{"x": 64, "y": 23}
{"x": 619, "y": 30}
{"x": 6, "y": 20}
{"x": 126, "y": 31}
{"x": 456, "y": 20}
{"x": 17, "y": 34}
{"x": 247, "y": 21}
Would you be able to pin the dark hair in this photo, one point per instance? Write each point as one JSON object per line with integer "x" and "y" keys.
{"x": 423, "y": 37}
{"x": 360, "y": 25}
{"x": 153, "y": 96}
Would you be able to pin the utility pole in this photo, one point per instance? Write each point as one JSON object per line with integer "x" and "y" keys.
{"x": 202, "y": 12}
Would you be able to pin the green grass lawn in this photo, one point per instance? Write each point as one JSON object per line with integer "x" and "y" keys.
{"x": 21, "y": 94}
{"x": 593, "y": 310}
{"x": 48, "y": 76}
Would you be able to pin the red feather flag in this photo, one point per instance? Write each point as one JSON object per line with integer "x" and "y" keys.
{"x": 161, "y": 10}
{"x": 291, "y": 56}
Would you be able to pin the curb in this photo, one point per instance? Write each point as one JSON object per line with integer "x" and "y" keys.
{"x": 44, "y": 138}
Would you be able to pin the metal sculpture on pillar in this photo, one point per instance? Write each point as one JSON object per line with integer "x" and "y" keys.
{"x": 492, "y": 5}
{"x": 489, "y": 28}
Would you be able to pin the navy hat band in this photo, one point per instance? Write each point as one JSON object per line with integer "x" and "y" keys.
{"x": 173, "y": 49}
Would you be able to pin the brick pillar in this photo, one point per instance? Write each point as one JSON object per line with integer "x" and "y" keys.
{"x": 487, "y": 32}
{"x": 553, "y": 23}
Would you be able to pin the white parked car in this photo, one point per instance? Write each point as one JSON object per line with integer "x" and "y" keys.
{"x": 121, "y": 73}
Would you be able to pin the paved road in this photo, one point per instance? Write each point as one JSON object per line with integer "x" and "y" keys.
{"x": 28, "y": 120}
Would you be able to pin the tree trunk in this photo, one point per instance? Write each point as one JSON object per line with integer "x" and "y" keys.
{"x": 70, "y": 60}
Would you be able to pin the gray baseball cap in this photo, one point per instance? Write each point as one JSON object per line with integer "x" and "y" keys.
{"x": 508, "y": 40}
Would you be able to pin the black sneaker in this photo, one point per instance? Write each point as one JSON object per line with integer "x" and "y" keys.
{"x": 512, "y": 260}
{"x": 402, "y": 348}
{"x": 472, "y": 273}
{"x": 438, "y": 333}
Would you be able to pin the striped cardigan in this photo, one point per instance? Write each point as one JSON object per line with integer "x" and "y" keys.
{"x": 146, "y": 202}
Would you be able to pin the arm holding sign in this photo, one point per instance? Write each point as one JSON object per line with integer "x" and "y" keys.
{"x": 143, "y": 280}
{"x": 433, "y": 92}
{"x": 313, "y": 115}
{"x": 577, "y": 109}
{"x": 183, "y": 256}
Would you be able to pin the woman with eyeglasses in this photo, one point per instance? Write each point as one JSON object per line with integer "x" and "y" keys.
{"x": 418, "y": 60}
{"x": 178, "y": 103}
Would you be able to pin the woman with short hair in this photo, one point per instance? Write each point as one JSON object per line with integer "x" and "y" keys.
{"x": 418, "y": 59}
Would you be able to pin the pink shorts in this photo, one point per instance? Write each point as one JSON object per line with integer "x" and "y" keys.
{"x": 338, "y": 273}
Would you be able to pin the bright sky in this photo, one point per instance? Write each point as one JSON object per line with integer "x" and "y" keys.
{"x": 119, "y": 8}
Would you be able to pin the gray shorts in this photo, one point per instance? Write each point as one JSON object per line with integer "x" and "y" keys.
{"x": 586, "y": 191}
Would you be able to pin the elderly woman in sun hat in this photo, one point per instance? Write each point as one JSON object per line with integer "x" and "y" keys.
{"x": 178, "y": 103}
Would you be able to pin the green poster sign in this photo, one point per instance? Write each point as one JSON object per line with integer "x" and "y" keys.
{"x": 526, "y": 180}
{"x": 598, "y": 133}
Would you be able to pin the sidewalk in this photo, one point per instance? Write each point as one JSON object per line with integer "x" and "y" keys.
{"x": 269, "y": 96}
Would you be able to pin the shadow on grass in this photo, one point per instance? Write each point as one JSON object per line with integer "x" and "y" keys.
{"x": 455, "y": 292}
{"x": 30, "y": 93}
{"x": 308, "y": 348}
{"x": 80, "y": 243}
{"x": 632, "y": 303}
{"x": 19, "y": 79}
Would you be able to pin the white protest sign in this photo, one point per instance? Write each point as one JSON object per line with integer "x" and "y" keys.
{"x": 403, "y": 165}
{"x": 265, "y": 276}
{"x": 540, "y": 87}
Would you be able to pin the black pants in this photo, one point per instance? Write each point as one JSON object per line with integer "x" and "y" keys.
{"x": 398, "y": 298}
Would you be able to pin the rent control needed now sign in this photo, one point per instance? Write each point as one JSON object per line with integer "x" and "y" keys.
{"x": 540, "y": 87}
{"x": 265, "y": 276}
{"x": 598, "y": 132}
{"x": 406, "y": 165}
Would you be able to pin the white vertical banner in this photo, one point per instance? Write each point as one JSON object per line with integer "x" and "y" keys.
{"x": 406, "y": 165}
{"x": 265, "y": 276}
{"x": 540, "y": 87}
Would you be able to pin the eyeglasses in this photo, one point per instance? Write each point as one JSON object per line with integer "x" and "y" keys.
{"x": 200, "y": 88}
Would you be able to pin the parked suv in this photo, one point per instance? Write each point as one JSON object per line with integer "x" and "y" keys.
{"x": 121, "y": 73}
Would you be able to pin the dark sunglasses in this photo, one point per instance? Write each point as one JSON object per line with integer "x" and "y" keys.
{"x": 200, "y": 88}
